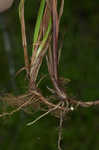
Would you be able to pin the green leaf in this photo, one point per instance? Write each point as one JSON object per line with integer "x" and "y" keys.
{"x": 44, "y": 38}
{"x": 38, "y": 22}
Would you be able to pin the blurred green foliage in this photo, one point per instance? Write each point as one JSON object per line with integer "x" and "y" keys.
{"x": 79, "y": 32}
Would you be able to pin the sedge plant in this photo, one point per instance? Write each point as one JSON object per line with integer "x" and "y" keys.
{"x": 45, "y": 43}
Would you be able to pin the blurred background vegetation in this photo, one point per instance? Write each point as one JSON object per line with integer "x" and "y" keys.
{"x": 79, "y": 34}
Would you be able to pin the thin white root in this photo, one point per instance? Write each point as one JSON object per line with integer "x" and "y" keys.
{"x": 16, "y": 110}
{"x": 43, "y": 115}
{"x": 60, "y": 129}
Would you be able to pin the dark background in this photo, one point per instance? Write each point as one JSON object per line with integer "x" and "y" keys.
{"x": 79, "y": 34}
